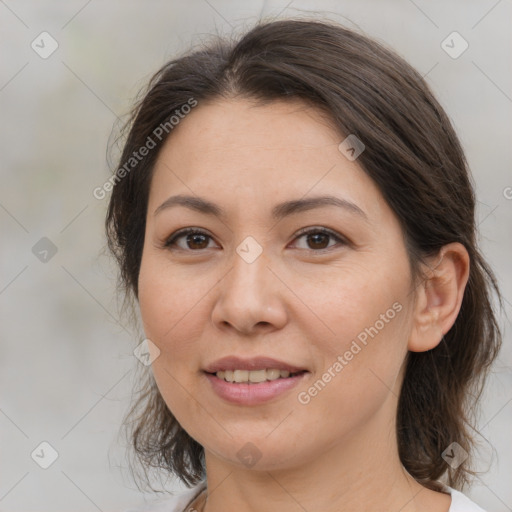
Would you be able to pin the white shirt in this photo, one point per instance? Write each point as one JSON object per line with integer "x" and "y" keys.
{"x": 179, "y": 503}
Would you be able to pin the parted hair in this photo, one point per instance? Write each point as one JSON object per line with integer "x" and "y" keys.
{"x": 414, "y": 157}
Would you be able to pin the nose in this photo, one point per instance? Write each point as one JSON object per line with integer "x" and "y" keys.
{"x": 251, "y": 298}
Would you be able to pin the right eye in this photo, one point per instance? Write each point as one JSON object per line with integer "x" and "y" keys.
{"x": 193, "y": 237}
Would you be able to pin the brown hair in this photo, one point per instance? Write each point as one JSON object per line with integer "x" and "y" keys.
{"x": 412, "y": 154}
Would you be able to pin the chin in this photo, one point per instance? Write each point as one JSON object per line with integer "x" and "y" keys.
{"x": 259, "y": 453}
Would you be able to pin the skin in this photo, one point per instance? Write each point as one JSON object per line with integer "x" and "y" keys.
{"x": 201, "y": 301}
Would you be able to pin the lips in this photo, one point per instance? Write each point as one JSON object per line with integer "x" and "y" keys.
{"x": 254, "y": 381}
{"x": 253, "y": 394}
{"x": 232, "y": 363}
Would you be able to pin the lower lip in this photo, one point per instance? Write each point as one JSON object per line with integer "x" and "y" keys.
{"x": 254, "y": 393}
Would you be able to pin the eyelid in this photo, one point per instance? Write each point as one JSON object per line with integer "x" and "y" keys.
{"x": 321, "y": 229}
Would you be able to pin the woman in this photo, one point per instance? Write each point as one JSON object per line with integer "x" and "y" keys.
{"x": 294, "y": 215}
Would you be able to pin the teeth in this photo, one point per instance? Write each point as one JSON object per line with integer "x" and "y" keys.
{"x": 254, "y": 376}
{"x": 273, "y": 374}
{"x": 241, "y": 375}
{"x": 258, "y": 376}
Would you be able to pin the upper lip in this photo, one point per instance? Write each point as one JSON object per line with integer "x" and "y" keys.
{"x": 254, "y": 363}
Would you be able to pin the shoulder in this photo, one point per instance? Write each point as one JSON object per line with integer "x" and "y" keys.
{"x": 461, "y": 503}
{"x": 177, "y": 503}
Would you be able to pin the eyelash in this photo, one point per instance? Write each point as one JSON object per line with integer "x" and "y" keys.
{"x": 171, "y": 241}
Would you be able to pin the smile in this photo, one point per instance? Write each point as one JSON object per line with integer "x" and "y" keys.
{"x": 254, "y": 376}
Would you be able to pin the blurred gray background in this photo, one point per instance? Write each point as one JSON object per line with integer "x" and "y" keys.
{"x": 66, "y": 363}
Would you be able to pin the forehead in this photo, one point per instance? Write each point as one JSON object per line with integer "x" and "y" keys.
{"x": 240, "y": 125}
{"x": 236, "y": 151}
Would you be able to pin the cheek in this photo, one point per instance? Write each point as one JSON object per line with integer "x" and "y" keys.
{"x": 169, "y": 304}
{"x": 358, "y": 392}
{"x": 358, "y": 303}
{"x": 173, "y": 316}
{"x": 362, "y": 365}
{"x": 369, "y": 317}
{"x": 169, "y": 312}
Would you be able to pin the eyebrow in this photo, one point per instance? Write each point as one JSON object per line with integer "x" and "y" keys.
{"x": 279, "y": 211}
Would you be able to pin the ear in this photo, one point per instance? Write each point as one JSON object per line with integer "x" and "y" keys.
{"x": 439, "y": 297}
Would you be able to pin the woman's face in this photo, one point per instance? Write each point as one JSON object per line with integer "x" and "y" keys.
{"x": 335, "y": 307}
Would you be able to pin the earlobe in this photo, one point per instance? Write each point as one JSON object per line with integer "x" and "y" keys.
{"x": 439, "y": 297}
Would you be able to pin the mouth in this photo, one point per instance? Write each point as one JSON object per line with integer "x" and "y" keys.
{"x": 252, "y": 381}
{"x": 253, "y": 364}
{"x": 254, "y": 376}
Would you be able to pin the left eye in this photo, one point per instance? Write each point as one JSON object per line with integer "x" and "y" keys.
{"x": 317, "y": 237}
